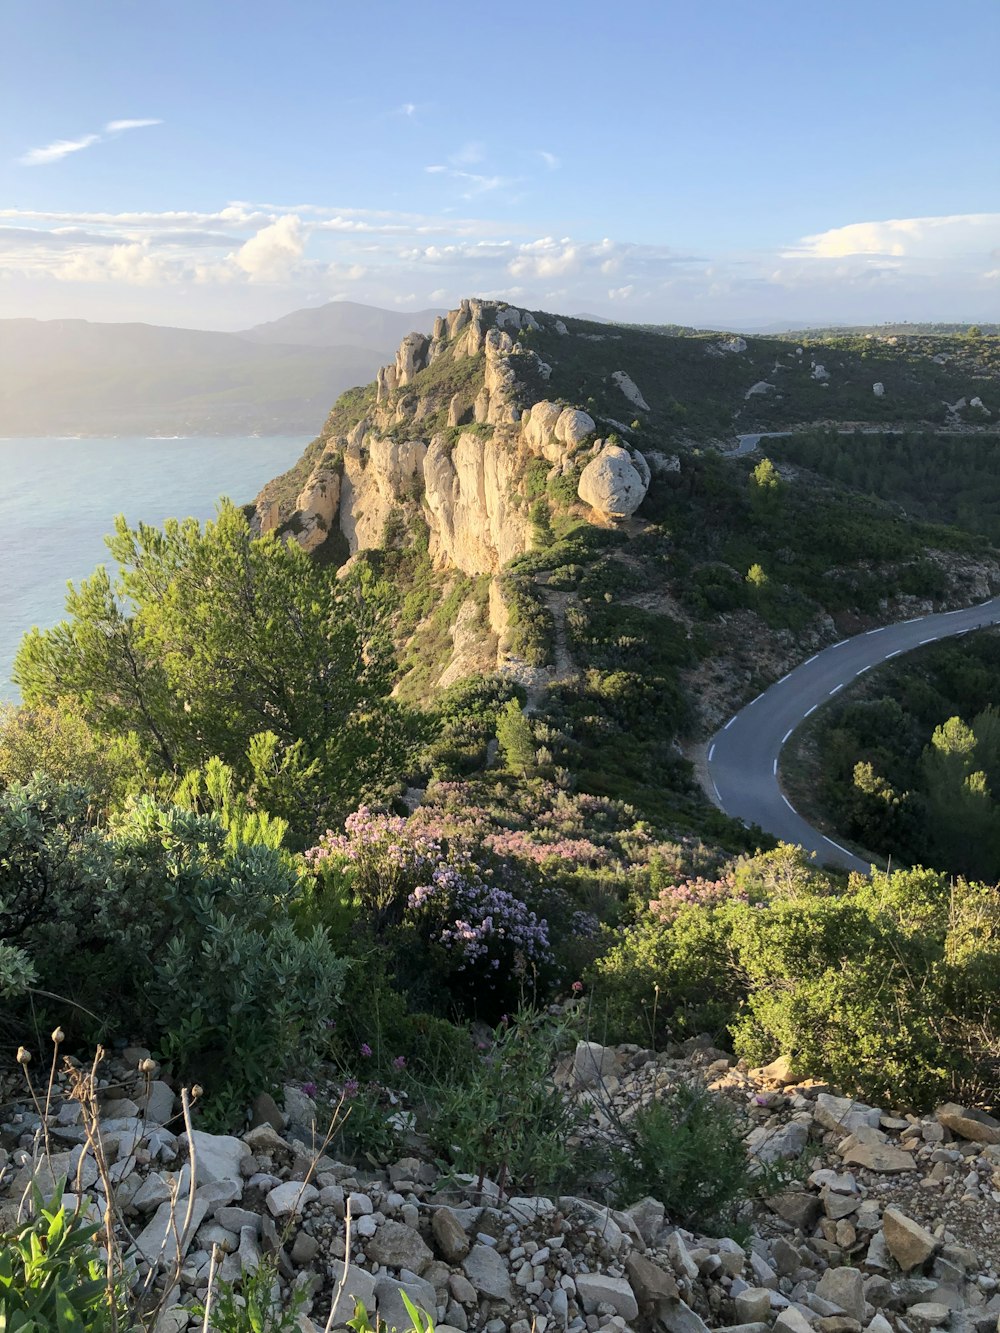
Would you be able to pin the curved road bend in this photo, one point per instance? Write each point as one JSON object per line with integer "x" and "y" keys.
{"x": 743, "y": 755}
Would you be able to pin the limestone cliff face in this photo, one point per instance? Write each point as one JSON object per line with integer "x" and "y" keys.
{"x": 447, "y": 435}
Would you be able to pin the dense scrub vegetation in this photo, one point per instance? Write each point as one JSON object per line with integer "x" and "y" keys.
{"x": 908, "y": 764}
{"x": 697, "y": 391}
{"x": 941, "y": 478}
{"x": 884, "y": 986}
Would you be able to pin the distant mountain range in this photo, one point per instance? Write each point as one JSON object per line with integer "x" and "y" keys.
{"x": 74, "y": 377}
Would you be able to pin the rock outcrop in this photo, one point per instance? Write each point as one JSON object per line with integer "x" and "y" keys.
{"x": 630, "y": 389}
{"x": 615, "y": 482}
{"x": 454, "y": 448}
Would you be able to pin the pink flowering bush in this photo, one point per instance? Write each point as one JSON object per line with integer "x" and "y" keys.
{"x": 695, "y": 892}
{"x": 385, "y": 857}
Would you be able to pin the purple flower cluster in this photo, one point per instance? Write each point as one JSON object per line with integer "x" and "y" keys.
{"x": 479, "y": 922}
{"x": 385, "y": 855}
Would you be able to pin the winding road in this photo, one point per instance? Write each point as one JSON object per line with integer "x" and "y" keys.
{"x": 743, "y": 755}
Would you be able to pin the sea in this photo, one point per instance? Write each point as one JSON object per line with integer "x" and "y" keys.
{"x": 59, "y": 497}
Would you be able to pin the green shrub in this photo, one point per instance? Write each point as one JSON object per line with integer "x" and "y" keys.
{"x": 882, "y": 988}
{"x": 662, "y": 983}
{"x": 165, "y": 925}
{"x": 687, "y": 1150}
{"x": 506, "y": 1119}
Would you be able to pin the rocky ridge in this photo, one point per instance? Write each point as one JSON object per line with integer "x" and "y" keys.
{"x": 448, "y": 433}
{"x": 892, "y": 1224}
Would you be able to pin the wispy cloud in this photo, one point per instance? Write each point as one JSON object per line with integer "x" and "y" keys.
{"x": 116, "y": 126}
{"x": 550, "y": 159}
{"x": 60, "y": 148}
{"x": 469, "y": 155}
{"x": 55, "y": 152}
{"x": 474, "y": 182}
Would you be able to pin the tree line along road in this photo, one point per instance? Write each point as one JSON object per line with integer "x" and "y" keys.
{"x": 743, "y": 755}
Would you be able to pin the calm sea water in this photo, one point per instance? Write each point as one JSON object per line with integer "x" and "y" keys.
{"x": 58, "y": 498}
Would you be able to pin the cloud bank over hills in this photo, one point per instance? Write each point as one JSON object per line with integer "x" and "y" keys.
{"x": 246, "y": 262}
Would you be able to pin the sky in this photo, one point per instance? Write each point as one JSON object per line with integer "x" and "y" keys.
{"x": 707, "y": 162}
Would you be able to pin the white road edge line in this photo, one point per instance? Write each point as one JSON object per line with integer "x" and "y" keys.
{"x": 788, "y": 802}
{"x": 810, "y": 710}
{"x": 913, "y": 621}
{"x": 838, "y": 645}
{"x": 729, "y": 724}
{"x": 784, "y": 678}
{"x": 757, "y": 700}
{"x": 718, "y": 794}
{"x": 787, "y": 734}
{"x": 810, "y": 659}
{"x": 957, "y": 611}
{"x": 932, "y": 639}
{"x": 893, "y": 654}
{"x": 711, "y": 751}
{"x": 774, "y": 768}
{"x": 876, "y": 631}
{"x": 837, "y": 845}
{"x": 861, "y": 670}
{"x": 837, "y": 687}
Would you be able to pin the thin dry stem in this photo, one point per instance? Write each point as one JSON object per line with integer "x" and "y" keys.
{"x": 341, "y": 1285}
{"x": 211, "y": 1289}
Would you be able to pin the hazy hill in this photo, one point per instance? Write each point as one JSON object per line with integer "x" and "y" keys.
{"x": 343, "y": 323}
{"x": 74, "y": 377}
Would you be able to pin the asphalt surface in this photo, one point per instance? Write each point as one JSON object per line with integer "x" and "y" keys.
{"x": 743, "y": 755}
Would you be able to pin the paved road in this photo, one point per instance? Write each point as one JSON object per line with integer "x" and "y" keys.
{"x": 743, "y": 755}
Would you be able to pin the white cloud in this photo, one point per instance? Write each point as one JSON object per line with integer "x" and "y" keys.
{"x": 117, "y": 126}
{"x": 264, "y": 257}
{"x": 945, "y": 237}
{"x": 545, "y": 258}
{"x": 134, "y": 265}
{"x": 273, "y": 254}
{"x": 550, "y": 159}
{"x": 352, "y": 272}
{"x": 55, "y": 152}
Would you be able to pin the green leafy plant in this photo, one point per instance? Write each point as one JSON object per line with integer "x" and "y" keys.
{"x": 421, "y": 1322}
{"x": 256, "y": 1308}
{"x": 51, "y": 1277}
{"x": 507, "y": 1119}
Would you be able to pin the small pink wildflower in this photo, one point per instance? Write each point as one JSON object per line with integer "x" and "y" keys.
{"x": 366, "y": 1050}
{"x": 576, "y": 987}
{"x": 351, "y": 1087}
{"x": 399, "y": 1062}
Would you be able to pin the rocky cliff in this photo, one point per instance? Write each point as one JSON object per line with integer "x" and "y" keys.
{"x": 447, "y": 435}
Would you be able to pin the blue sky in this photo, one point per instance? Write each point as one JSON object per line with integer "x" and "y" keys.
{"x": 710, "y": 163}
